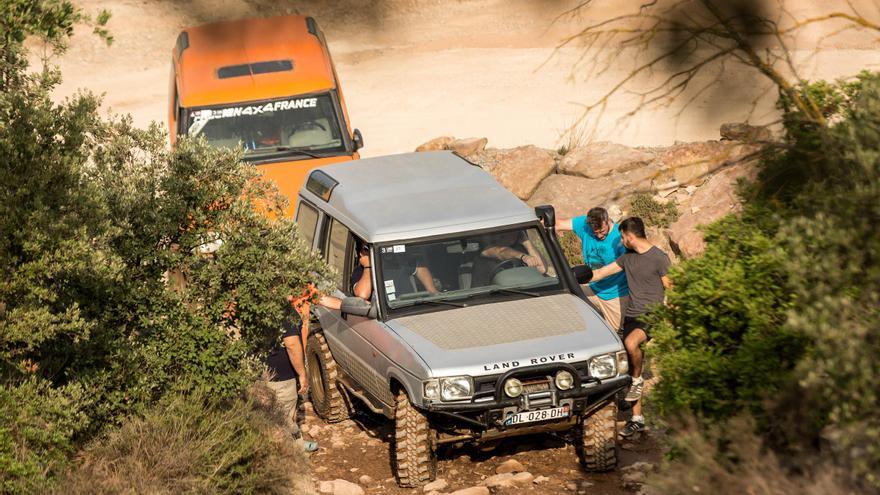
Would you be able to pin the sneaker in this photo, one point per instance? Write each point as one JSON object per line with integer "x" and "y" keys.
{"x": 635, "y": 390}
{"x": 310, "y": 446}
{"x": 631, "y": 428}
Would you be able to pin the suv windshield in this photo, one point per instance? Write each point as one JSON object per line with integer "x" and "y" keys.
{"x": 454, "y": 270}
{"x": 303, "y": 123}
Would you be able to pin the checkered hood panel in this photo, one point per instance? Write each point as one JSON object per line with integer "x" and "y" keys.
{"x": 499, "y": 323}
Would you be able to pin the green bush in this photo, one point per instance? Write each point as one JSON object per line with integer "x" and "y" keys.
{"x": 192, "y": 444}
{"x": 780, "y": 317}
{"x": 571, "y": 248}
{"x": 653, "y": 213}
{"x": 720, "y": 343}
{"x": 95, "y": 217}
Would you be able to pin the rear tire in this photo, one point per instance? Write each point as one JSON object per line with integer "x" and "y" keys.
{"x": 598, "y": 446}
{"x": 414, "y": 457}
{"x": 323, "y": 390}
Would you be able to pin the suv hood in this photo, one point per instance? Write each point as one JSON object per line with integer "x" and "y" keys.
{"x": 488, "y": 339}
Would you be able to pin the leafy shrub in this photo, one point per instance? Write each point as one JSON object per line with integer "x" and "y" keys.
{"x": 571, "y": 248}
{"x": 95, "y": 216}
{"x": 780, "y": 316}
{"x": 654, "y": 214}
{"x": 193, "y": 444}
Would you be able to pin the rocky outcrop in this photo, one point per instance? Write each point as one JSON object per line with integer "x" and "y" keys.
{"x": 436, "y": 144}
{"x": 521, "y": 169}
{"x": 710, "y": 202}
{"x": 691, "y": 163}
{"x": 746, "y": 133}
{"x": 698, "y": 177}
{"x": 603, "y": 158}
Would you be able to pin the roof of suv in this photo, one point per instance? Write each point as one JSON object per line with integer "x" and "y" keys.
{"x": 415, "y": 195}
{"x": 252, "y": 41}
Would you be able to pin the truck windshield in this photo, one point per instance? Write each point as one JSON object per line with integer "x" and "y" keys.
{"x": 283, "y": 126}
{"x": 505, "y": 264}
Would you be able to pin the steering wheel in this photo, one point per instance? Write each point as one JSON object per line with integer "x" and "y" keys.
{"x": 504, "y": 265}
{"x": 311, "y": 123}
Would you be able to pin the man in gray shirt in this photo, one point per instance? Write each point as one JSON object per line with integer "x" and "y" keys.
{"x": 646, "y": 268}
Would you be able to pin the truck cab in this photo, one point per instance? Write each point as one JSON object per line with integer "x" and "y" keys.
{"x": 267, "y": 85}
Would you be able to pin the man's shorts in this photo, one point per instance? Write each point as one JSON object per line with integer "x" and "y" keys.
{"x": 630, "y": 324}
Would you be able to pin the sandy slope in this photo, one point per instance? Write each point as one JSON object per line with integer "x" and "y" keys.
{"x": 416, "y": 69}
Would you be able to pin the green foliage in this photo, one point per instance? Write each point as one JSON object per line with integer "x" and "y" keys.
{"x": 128, "y": 272}
{"x": 781, "y": 316}
{"x": 719, "y": 344}
{"x": 36, "y": 434}
{"x": 653, "y": 213}
{"x": 571, "y": 248}
{"x": 192, "y": 443}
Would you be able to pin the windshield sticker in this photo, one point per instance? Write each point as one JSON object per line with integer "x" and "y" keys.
{"x": 391, "y": 297}
{"x": 208, "y": 114}
{"x": 389, "y": 286}
{"x": 400, "y": 248}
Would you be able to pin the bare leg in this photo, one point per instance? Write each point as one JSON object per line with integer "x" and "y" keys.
{"x": 633, "y": 346}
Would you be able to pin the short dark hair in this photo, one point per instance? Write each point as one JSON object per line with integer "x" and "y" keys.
{"x": 635, "y": 226}
{"x": 597, "y": 217}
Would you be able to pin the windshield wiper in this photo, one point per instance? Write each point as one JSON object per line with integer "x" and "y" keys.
{"x": 419, "y": 302}
{"x": 279, "y": 149}
{"x": 508, "y": 290}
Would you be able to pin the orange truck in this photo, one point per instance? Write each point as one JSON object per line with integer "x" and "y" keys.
{"x": 268, "y": 85}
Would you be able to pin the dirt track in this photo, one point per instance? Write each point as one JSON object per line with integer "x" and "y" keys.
{"x": 416, "y": 69}
{"x": 360, "y": 446}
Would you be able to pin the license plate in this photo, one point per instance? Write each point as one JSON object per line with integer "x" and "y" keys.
{"x": 535, "y": 416}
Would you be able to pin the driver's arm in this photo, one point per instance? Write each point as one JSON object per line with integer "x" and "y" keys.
{"x": 363, "y": 288}
{"x": 501, "y": 253}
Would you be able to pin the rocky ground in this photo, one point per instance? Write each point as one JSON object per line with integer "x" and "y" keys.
{"x": 354, "y": 459}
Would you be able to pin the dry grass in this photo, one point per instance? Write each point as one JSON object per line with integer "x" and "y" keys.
{"x": 194, "y": 445}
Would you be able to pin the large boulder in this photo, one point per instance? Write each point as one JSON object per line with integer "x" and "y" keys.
{"x": 747, "y": 133}
{"x": 691, "y": 163}
{"x": 468, "y": 146}
{"x": 574, "y": 196}
{"x": 520, "y": 170}
{"x": 436, "y": 144}
{"x": 709, "y": 203}
{"x": 603, "y": 158}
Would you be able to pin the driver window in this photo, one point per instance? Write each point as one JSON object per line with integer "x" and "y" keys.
{"x": 337, "y": 244}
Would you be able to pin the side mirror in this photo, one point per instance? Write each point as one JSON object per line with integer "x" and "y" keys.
{"x": 358, "y": 139}
{"x": 358, "y": 307}
{"x": 582, "y": 273}
{"x": 547, "y": 215}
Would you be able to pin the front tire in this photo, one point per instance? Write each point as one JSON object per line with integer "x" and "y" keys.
{"x": 414, "y": 456}
{"x": 598, "y": 445}
{"x": 323, "y": 390}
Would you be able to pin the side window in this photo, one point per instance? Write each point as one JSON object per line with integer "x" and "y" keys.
{"x": 307, "y": 220}
{"x": 337, "y": 245}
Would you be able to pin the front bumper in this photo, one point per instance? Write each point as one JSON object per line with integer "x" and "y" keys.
{"x": 490, "y": 413}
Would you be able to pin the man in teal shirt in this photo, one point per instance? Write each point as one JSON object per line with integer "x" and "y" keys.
{"x": 600, "y": 246}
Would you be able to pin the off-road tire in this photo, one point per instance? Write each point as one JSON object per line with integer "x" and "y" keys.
{"x": 323, "y": 390}
{"x": 598, "y": 439}
{"x": 414, "y": 456}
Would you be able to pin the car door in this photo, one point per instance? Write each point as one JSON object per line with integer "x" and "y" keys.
{"x": 347, "y": 334}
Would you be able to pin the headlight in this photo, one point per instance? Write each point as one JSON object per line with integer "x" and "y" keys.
{"x": 604, "y": 366}
{"x": 564, "y": 380}
{"x": 432, "y": 389}
{"x": 513, "y": 387}
{"x": 455, "y": 388}
{"x": 622, "y": 362}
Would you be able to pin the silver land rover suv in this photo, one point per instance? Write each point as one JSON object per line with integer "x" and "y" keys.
{"x": 476, "y": 329}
